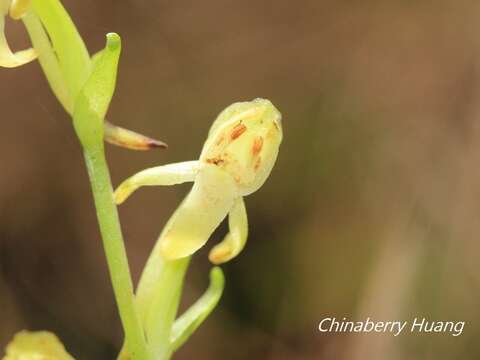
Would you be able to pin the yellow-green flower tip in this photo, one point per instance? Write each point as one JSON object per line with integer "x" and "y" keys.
{"x": 18, "y": 8}
{"x": 8, "y": 58}
{"x": 36, "y": 345}
{"x": 128, "y": 139}
{"x": 220, "y": 254}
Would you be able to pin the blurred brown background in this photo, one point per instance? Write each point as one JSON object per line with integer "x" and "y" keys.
{"x": 372, "y": 209}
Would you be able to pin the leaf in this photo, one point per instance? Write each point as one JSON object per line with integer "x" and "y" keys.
{"x": 186, "y": 324}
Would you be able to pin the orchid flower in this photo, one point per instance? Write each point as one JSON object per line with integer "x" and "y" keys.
{"x": 236, "y": 159}
{"x": 8, "y": 58}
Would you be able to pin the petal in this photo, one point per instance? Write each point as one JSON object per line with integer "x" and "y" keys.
{"x": 204, "y": 208}
{"x": 165, "y": 175}
{"x": 8, "y": 58}
{"x": 235, "y": 240}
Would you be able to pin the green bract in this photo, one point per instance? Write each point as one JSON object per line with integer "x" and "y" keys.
{"x": 94, "y": 98}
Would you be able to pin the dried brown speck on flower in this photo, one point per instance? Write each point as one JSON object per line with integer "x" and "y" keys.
{"x": 215, "y": 161}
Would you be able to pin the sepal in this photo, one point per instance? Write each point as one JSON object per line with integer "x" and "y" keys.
{"x": 8, "y": 58}
{"x": 131, "y": 140}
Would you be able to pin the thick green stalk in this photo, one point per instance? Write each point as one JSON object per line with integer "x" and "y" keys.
{"x": 164, "y": 306}
{"x": 115, "y": 250}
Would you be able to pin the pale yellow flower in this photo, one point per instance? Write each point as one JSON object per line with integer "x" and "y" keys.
{"x": 236, "y": 159}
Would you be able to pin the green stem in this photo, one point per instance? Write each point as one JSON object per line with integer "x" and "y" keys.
{"x": 164, "y": 306}
{"x": 115, "y": 250}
